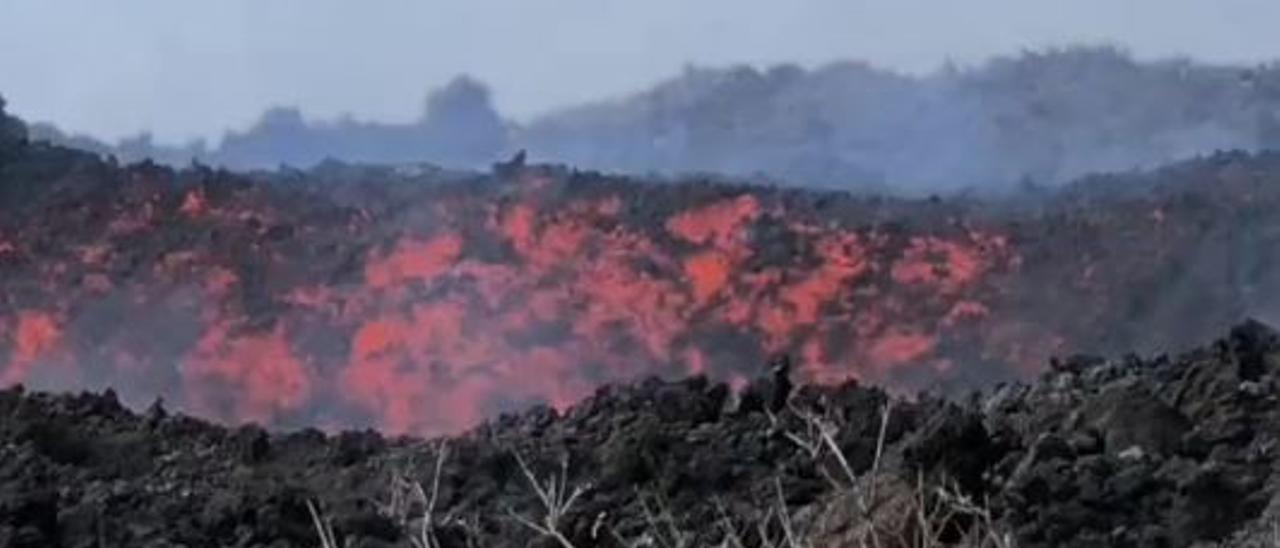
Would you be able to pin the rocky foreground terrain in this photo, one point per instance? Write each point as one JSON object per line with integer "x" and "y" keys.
{"x": 1161, "y": 451}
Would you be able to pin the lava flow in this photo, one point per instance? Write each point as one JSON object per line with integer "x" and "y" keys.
{"x": 429, "y": 306}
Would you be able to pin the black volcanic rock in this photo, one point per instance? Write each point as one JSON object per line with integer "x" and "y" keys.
{"x": 1126, "y": 452}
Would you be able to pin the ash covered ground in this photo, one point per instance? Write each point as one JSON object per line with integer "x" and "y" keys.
{"x": 425, "y": 302}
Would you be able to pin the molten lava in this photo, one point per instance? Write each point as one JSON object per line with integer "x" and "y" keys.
{"x": 430, "y": 308}
{"x": 486, "y": 303}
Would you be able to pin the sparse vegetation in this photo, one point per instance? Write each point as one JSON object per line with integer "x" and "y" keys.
{"x": 557, "y": 499}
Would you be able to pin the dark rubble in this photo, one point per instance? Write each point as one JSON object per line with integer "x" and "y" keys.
{"x": 1163, "y": 451}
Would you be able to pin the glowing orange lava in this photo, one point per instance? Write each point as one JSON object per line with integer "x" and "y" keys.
{"x": 473, "y": 303}
{"x": 36, "y": 336}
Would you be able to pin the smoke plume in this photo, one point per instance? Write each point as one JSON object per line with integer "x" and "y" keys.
{"x": 1037, "y": 118}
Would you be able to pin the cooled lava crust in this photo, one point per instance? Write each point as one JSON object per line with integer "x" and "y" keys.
{"x": 1128, "y": 452}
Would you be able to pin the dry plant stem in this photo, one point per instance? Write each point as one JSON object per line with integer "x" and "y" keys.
{"x": 762, "y": 530}
{"x": 556, "y": 501}
{"x": 395, "y": 508}
{"x": 730, "y": 532}
{"x": 924, "y": 521}
{"x": 963, "y": 504}
{"x": 828, "y": 437}
{"x": 426, "y": 533}
{"x": 866, "y": 501}
{"x": 933, "y": 506}
{"x": 880, "y": 438}
{"x": 663, "y": 519}
{"x": 323, "y": 528}
{"x": 812, "y": 443}
{"x": 784, "y": 517}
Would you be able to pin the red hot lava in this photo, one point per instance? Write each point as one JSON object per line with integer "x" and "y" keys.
{"x": 279, "y": 306}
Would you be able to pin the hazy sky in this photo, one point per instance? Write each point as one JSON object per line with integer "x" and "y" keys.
{"x": 186, "y": 69}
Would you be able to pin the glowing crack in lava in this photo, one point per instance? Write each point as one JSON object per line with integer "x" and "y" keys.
{"x": 243, "y": 306}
